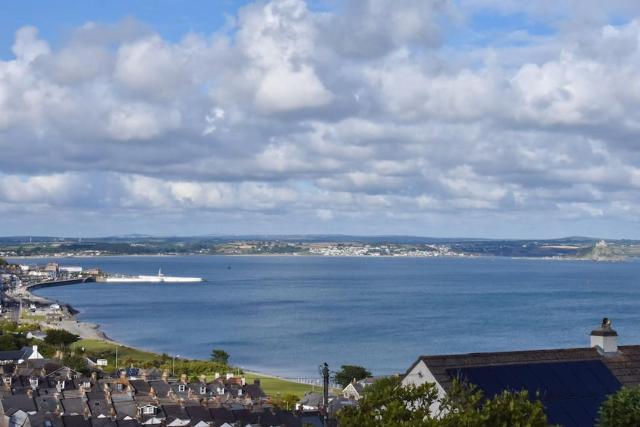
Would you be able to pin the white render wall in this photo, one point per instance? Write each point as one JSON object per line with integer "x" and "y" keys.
{"x": 421, "y": 374}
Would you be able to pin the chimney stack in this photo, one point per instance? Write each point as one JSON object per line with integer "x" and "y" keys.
{"x": 605, "y": 338}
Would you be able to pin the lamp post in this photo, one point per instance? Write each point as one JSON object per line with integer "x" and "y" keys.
{"x": 117, "y": 356}
{"x": 173, "y": 365}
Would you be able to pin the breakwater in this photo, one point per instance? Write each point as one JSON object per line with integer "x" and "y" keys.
{"x": 53, "y": 283}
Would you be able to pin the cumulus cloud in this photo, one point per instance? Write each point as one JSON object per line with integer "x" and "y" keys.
{"x": 370, "y": 117}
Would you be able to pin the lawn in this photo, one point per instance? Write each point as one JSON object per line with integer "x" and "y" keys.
{"x": 276, "y": 386}
{"x": 109, "y": 351}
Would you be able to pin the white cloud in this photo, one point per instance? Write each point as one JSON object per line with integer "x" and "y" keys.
{"x": 304, "y": 116}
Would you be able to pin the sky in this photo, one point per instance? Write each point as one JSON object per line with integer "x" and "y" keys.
{"x": 457, "y": 118}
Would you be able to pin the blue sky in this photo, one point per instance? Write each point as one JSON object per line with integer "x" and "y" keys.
{"x": 443, "y": 118}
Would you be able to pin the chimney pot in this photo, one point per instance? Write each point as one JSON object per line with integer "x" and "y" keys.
{"x": 605, "y": 338}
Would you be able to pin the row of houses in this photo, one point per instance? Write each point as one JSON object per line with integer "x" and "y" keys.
{"x": 42, "y": 393}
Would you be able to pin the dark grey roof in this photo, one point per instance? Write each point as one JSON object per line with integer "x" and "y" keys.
{"x": 103, "y": 422}
{"x": 41, "y": 419}
{"x": 222, "y": 415}
{"x": 140, "y": 386}
{"x": 99, "y": 407}
{"x": 19, "y": 401}
{"x": 625, "y": 365}
{"x": 175, "y": 411}
{"x": 95, "y": 395}
{"x": 72, "y": 406}
{"x": 571, "y": 392}
{"x": 46, "y": 403}
{"x": 124, "y": 409}
{"x": 11, "y": 355}
{"x": 75, "y": 421}
{"x": 254, "y": 391}
{"x": 198, "y": 413}
{"x": 160, "y": 387}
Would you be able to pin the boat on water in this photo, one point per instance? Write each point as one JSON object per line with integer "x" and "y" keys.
{"x": 153, "y": 279}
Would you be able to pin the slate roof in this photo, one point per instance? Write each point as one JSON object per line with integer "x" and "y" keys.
{"x": 124, "y": 409}
{"x": 571, "y": 392}
{"x": 99, "y": 407}
{"x": 570, "y": 400}
{"x": 625, "y": 365}
{"x": 140, "y": 386}
{"x": 160, "y": 387}
{"x": 75, "y": 421}
{"x": 46, "y": 403}
{"x": 19, "y": 401}
{"x": 198, "y": 413}
{"x": 74, "y": 405}
{"x": 11, "y": 355}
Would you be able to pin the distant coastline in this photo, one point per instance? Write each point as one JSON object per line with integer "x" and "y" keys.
{"x": 569, "y": 248}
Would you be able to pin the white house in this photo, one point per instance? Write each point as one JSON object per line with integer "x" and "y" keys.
{"x": 560, "y": 376}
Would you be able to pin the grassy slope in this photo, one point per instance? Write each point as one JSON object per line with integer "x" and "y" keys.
{"x": 271, "y": 386}
{"x": 274, "y": 386}
{"x": 123, "y": 351}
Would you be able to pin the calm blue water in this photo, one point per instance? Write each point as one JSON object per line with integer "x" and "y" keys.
{"x": 286, "y": 315}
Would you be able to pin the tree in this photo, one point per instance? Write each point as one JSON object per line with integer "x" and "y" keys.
{"x": 388, "y": 403}
{"x": 219, "y": 356}
{"x": 286, "y": 402}
{"x": 348, "y": 373}
{"x": 621, "y": 409}
{"x": 60, "y": 337}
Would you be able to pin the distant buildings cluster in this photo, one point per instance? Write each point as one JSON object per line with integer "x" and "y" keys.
{"x": 41, "y": 392}
{"x": 382, "y": 250}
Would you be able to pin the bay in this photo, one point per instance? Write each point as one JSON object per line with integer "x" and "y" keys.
{"x": 285, "y": 315}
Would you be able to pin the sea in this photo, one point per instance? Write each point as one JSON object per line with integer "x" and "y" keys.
{"x": 286, "y": 315}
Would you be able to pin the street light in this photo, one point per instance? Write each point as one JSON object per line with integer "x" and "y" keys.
{"x": 173, "y": 365}
{"x": 117, "y": 357}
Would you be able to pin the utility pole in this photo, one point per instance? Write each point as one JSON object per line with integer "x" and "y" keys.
{"x": 325, "y": 393}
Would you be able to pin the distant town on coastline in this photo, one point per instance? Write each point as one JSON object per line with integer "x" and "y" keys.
{"x": 321, "y": 245}
{"x": 55, "y": 373}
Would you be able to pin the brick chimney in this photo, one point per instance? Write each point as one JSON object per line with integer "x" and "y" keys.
{"x": 605, "y": 338}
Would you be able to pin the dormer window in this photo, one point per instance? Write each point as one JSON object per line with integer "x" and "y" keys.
{"x": 86, "y": 384}
{"x": 7, "y": 380}
{"x": 148, "y": 410}
{"x": 34, "y": 383}
{"x": 181, "y": 387}
{"x": 60, "y": 385}
{"x": 203, "y": 390}
{"x": 119, "y": 387}
{"x": 220, "y": 390}
{"x": 239, "y": 392}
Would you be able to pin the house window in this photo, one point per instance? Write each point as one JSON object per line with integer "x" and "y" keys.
{"x": 34, "y": 383}
{"x": 181, "y": 387}
{"x": 203, "y": 390}
{"x": 60, "y": 385}
{"x": 119, "y": 387}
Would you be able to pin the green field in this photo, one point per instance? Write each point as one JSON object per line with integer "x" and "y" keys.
{"x": 272, "y": 386}
{"x": 109, "y": 351}
{"x": 278, "y": 387}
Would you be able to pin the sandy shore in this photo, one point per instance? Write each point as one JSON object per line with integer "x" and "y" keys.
{"x": 69, "y": 323}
